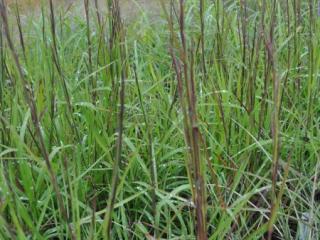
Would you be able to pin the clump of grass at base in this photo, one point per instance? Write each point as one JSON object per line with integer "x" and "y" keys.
{"x": 230, "y": 85}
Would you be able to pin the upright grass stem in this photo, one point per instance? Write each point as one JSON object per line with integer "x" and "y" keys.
{"x": 118, "y": 45}
{"x": 153, "y": 166}
{"x": 57, "y": 64}
{"x": 207, "y": 135}
{"x": 90, "y": 67}
{"x": 271, "y": 45}
{"x": 203, "y": 37}
{"x": 29, "y": 97}
{"x": 188, "y": 101}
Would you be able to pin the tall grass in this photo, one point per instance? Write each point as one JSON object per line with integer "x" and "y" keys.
{"x": 201, "y": 124}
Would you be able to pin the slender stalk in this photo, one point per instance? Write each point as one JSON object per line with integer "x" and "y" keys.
{"x": 2, "y": 70}
{"x": 118, "y": 44}
{"x": 29, "y": 97}
{"x": 202, "y": 38}
{"x": 311, "y": 64}
{"x": 192, "y": 133}
{"x": 56, "y": 61}
{"x": 244, "y": 26}
{"x": 92, "y": 80}
{"x": 153, "y": 166}
{"x": 21, "y": 38}
{"x": 275, "y": 119}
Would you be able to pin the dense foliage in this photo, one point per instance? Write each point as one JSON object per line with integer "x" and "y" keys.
{"x": 202, "y": 123}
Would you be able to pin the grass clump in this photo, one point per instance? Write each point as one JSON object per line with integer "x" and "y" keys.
{"x": 201, "y": 124}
